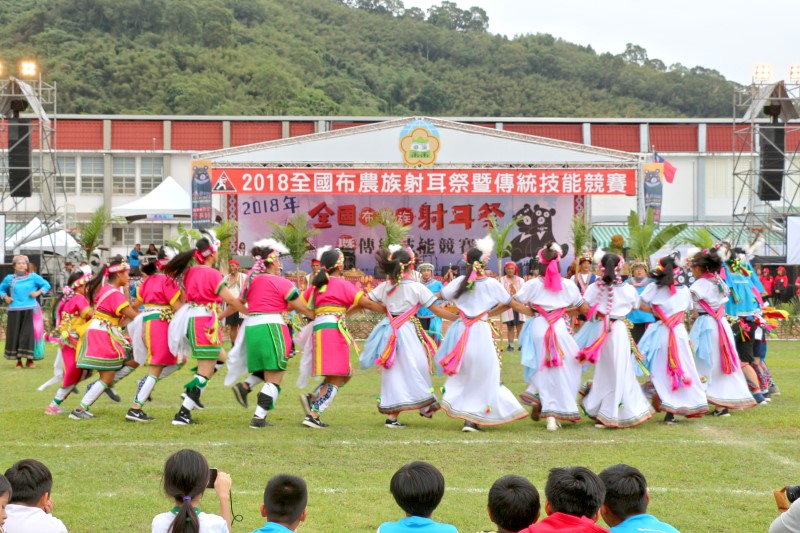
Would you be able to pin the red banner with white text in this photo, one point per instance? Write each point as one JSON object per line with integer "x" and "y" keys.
{"x": 424, "y": 181}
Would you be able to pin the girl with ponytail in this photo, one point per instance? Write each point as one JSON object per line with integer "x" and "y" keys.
{"x": 194, "y": 330}
{"x": 399, "y": 343}
{"x": 104, "y": 347}
{"x": 549, "y": 352}
{"x": 615, "y": 398}
{"x": 265, "y": 344}
{"x": 666, "y": 344}
{"x": 72, "y": 316}
{"x": 715, "y": 347}
{"x": 326, "y": 349}
{"x": 160, "y": 296}
{"x": 186, "y": 477}
{"x": 468, "y": 355}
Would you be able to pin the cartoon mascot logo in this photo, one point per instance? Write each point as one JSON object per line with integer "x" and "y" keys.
{"x": 419, "y": 142}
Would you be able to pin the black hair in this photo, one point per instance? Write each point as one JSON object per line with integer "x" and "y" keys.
{"x": 327, "y": 263}
{"x": 185, "y": 476}
{"x": 473, "y": 255}
{"x": 575, "y": 491}
{"x": 285, "y": 498}
{"x": 29, "y": 480}
{"x": 151, "y": 267}
{"x": 609, "y": 262}
{"x": 665, "y": 277}
{"x": 513, "y": 503}
{"x": 709, "y": 261}
{"x": 549, "y": 254}
{"x": 5, "y": 487}
{"x": 75, "y": 276}
{"x": 417, "y": 488}
{"x": 390, "y": 262}
{"x": 178, "y": 264}
{"x": 94, "y": 284}
{"x": 626, "y": 490}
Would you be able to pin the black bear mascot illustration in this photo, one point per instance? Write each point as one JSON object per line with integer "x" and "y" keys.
{"x": 653, "y": 192}
{"x": 535, "y": 229}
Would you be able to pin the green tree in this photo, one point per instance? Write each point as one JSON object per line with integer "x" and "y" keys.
{"x": 502, "y": 244}
{"x": 646, "y": 238}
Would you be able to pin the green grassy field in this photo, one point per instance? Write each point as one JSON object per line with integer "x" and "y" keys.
{"x": 706, "y": 475}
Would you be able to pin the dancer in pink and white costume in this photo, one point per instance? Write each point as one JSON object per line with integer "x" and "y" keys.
{"x": 615, "y": 398}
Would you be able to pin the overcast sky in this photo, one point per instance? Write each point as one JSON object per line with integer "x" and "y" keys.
{"x": 730, "y": 36}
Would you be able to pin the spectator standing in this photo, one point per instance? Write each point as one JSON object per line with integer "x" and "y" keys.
{"x": 65, "y": 273}
{"x": 767, "y": 281}
{"x": 30, "y": 507}
{"x": 780, "y": 287}
{"x": 285, "y": 500}
{"x": 133, "y": 259}
{"x": 626, "y": 500}
{"x": 25, "y": 326}
{"x": 574, "y": 496}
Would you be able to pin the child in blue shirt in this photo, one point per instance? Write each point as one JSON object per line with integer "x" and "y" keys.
{"x": 285, "y": 500}
{"x": 417, "y": 488}
{"x": 625, "y": 505}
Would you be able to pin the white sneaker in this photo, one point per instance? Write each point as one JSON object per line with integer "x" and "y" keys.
{"x": 552, "y": 424}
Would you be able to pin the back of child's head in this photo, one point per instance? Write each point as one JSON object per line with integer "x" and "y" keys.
{"x": 626, "y": 490}
{"x": 513, "y": 503}
{"x": 29, "y": 480}
{"x": 417, "y": 488}
{"x": 575, "y": 491}
{"x": 185, "y": 477}
{"x": 5, "y": 487}
{"x": 285, "y": 499}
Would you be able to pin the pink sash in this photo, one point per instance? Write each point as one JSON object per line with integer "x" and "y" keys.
{"x": 591, "y": 353}
{"x": 386, "y": 359}
{"x": 555, "y": 355}
{"x": 674, "y": 369}
{"x": 728, "y": 356}
{"x": 451, "y": 363}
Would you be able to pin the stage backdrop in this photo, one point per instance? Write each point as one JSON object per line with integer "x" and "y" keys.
{"x": 793, "y": 240}
{"x": 443, "y": 226}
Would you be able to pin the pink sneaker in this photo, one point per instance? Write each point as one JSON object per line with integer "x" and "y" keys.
{"x": 54, "y": 409}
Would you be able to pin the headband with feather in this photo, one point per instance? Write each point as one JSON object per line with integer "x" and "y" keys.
{"x": 274, "y": 245}
{"x": 486, "y": 246}
{"x": 321, "y": 251}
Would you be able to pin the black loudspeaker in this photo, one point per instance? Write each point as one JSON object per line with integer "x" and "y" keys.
{"x": 19, "y": 158}
{"x": 773, "y": 143}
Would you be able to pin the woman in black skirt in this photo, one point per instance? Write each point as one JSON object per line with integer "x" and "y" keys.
{"x": 25, "y": 327}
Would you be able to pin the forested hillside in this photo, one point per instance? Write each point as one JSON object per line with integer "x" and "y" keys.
{"x": 332, "y": 57}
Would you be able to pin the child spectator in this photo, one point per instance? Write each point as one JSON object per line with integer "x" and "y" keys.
{"x": 513, "y": 504}
{"x": 186, "y": 476}
{"x": 29, "y": 504}
{"x": 574, "y": 496}
{"x": 417, "y": 488}
{"x": 285, "y": 500}
{"x": 5, "y": 495}
{"x": 626, "y": 502}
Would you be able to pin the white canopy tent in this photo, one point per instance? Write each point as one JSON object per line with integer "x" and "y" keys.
{"x": 167, "y": 200}
{"x": 59, "y": 242}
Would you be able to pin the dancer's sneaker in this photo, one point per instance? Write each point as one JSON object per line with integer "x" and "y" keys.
{"x": 774, "y": 390}
{"x": 393, "y": 424}
{"x": 80, "y": 414}
{"x": 194, "y": 396}
{"x": 258, "y": 423}
{"x": 552, "y": 423}
{"x": 30, "y": 364}
{"x": 536, "y": 411}
{"x": 183, "y": 418}
{"x": 305, "y": 401}
{"x": 429, "y": 410}
{"x": 311, "y": 422}
{"x": 54, "y": 409}
{"x": 241, "y": 392}
{"x": 19, "y": 363}
{"x": 112, "y": 394}
{"x": 721, "y": 412}
{"x": 670, "y": 419}
{"x": 470, "y": 427}
{"x": 137, "y": 415}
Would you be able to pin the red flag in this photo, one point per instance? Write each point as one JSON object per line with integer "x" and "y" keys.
{"x": 669, "y": 168}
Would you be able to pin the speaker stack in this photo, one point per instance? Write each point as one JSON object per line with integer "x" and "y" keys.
{"x": 19, "y": 158}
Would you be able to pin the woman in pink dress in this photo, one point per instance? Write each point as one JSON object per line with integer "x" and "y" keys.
{"x": 194, "y": 330}
{"x": 104, "y": 347}
{"x": 160, "y": 296}
{"x": 73, "y": 313}
{"x": 331, "y": 298}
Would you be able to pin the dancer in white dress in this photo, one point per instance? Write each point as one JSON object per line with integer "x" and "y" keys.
{"x": 711, "y": 334}
{"x": 474, "y": 391}
{"x": 666, "y": 344}
{"x": 399, "y": 344}
{"x": 549, "y": 352}
{"x": 615, "y": 398}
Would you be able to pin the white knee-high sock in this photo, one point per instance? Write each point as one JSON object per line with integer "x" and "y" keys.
{"x": 253, "y": 380}
{"x": 62, "y": 393}
{"x": 93, "y": 393}
{"x": 122, "y": 372}
{"x": 144, "y": 392}
{"x": 325, "y": 400}
{"x": 169, "y": 369}
{"x": 272, "y": 391}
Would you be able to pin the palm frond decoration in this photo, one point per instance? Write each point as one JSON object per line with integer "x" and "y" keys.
{"x": 581, "y": 235}
{"x": 699, "y": 237}
{"x": 646, "y": 238}
{"x": 185, "y": 239}
{"x": 295, "y": 235}
{"x": 90, "y": 233}
{"x": 226, "y": 233}
{"x": 502, "y": 244}
{"x": 396, "y": 232}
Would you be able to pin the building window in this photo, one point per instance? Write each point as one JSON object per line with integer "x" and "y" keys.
{"x": 92, "y": 170}
{"x": 152, "y": 173}
{"x": 66, "y": 169}
{"x": 152, "y": 233}
{"x": 124, "y": 175}
{"x": 123, "y": 236}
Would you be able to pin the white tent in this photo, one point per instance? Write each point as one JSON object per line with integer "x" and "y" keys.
{"x": 59, "y": 243}
{"x": 167, "y": 200}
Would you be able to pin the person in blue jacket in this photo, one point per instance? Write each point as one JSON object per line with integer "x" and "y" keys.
{"x": 25, "y": 326}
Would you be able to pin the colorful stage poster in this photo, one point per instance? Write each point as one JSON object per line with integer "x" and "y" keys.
{"x": 201, "y": 194}
{"x": 653, "y": 188}
{"x": 443, "y": 227}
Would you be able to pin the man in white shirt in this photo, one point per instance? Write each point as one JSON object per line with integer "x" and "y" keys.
{"x": 30, "y": 505}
